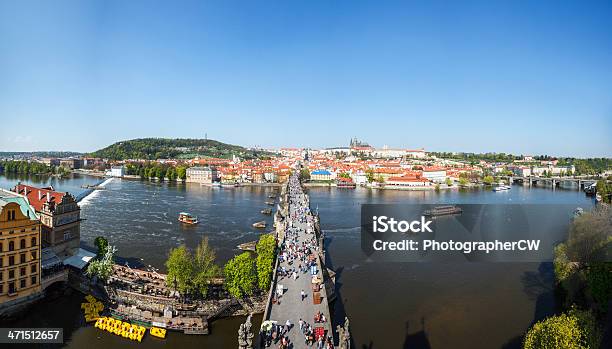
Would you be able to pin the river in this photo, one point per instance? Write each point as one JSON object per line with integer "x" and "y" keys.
{"x": 390, "y": 305}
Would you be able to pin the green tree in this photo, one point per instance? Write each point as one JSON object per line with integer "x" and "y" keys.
{"x": 266, "y": 248}
{"x": 463, "y": 181}
{"x": 604, "y": 190}
{"x": 102, "y": 268}
{"x": 181, "y": 172}
{"x": 488, "y": 180}
{"x": 180, "y": 270}
{"x": 581, "y": 263}
{"x": 204, "y": 268}
{"x": 304, "y": 174}
{"x": 370, "y": 175}
{"x": 448, "y": 181}
{"x": 574, "y": 330}
{"x": 101, "y": 244}
{"x": 240, "y": 275}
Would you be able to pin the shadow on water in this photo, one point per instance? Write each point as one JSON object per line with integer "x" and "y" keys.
{"x": 539, "y": 287}
{"x": 416, "y": 340}
{"x": 337, "y": 310}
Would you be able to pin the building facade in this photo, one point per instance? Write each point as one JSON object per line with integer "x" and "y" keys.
{"x": 60, "y": 216}
{"x": 20, "y": 251}
{"x": 203, "y": 175}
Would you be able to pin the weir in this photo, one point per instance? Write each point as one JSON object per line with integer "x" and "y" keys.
{"x": 297, "y": 226}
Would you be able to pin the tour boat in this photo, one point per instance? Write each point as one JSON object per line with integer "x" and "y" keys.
{"x": 187, "y": 218}
{"x": 443, "y": 210}
{"x": 502, "y": 188}
{"x": 261, "y": 224}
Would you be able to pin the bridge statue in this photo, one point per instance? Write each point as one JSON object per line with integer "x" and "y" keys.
{"x": 245, "y": 336}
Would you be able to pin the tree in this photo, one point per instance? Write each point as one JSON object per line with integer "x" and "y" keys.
{"x": 240, "y": 275}
{"x": 488, "y": 180}
{"x": 181, "y": 172}
{"x": 604, "y": 190}
{"x": 180, "y": 270}
{"x": 102, "y": 244}
{"x": 463, "y": 181}
{"x": 448, "y": 181}
{"x": 304, "y": 175}
{"x": 576, "y": 329}
{"x": 204, "y": 267}
{"x": 102, "y": 268}
{"x": 370, "y": 175}
{"x": 581, "y": 263}
{"x": 266, "y": 248}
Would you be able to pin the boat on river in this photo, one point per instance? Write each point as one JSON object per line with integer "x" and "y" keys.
{"x": 443, "y": 211}
{"x": 187, "y": 218}
{"x": 271, "y": 203}
{"x": 267, "y": 211}
{"x": 502, "y": 188}
{"x": 261, "y": 224}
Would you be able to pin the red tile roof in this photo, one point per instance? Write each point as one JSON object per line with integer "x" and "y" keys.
{"x": 36, "y": 200}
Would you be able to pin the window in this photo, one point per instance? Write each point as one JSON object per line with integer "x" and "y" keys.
{"x": 11, "y": 274}
{"x": 11, "y": 288}
{"x": 33, "y": 253}
{"x": 11, "y": 245}
{"x": 33, "y": 280}
{"x": 67, "y": 236}
{"x": 22, "y": 283}
{"x": 1, "y": 276}
{"x": 22, "y": 271}
{"x": 33, "y": 242}
{"x": 22, "y": 258}
{"x": 22, "y": 244}
{"x": 11, "y": 260}
{"x": 1, "y": 247}
{"x": 33, "y": 268}
{"x": 1, "y": 288}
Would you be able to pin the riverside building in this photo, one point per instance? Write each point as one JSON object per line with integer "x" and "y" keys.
{"x": 202, "y": 175}
{"x": 60, "y": 216}
{"x": 20, "y": 252}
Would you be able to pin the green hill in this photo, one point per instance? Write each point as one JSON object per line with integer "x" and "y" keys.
{"x": 165, "y": 148}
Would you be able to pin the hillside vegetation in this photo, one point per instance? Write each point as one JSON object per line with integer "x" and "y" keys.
{"x": 164, "y": 148}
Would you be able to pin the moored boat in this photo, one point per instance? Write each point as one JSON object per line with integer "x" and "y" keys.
{"x": 502, "y": 188}
{"x": 271, "y": 203}
{"x": 261, "y": 224}
{"x": 443, "y": 211}
{"x": 187, "y": 218}
{"x": 266, "y": 211}
{"x": 158, "y": 332}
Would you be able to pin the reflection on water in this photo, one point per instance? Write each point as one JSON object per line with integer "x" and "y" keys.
{"x": 392, "y": 305}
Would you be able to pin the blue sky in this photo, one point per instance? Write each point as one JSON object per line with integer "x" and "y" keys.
{"x": 517, "y": 76}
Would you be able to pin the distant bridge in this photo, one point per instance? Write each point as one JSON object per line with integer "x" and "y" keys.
{"x": 555, "y": 181}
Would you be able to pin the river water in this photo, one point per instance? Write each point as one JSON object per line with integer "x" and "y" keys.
{"x": 390, "y": 305}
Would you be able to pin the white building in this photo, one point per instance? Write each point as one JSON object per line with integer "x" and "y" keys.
{"x": 359, "y": 177}
{"x": 204, "y": 175}
{"x": 435, "y": 174}
{"x": 416, "y": 153}
{"x": 117, "y": 171}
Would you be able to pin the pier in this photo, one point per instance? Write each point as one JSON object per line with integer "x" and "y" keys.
{"x": 299, "y": 268}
